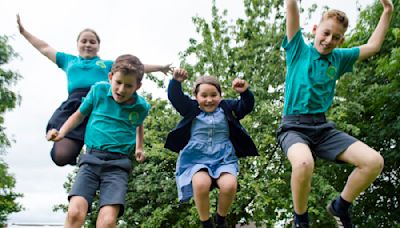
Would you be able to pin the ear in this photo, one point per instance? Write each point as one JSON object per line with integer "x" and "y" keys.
{"x": 314, "y": 30}
{"x": 138, "y": 86}
{"x": 110, "y": 76}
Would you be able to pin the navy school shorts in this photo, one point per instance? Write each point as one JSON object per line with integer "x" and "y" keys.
{"x": 104, "y": 171}
{"x": 321, "y": 136}
{"x": 66, "y": 109}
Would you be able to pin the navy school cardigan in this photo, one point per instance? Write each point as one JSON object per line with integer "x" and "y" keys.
{"x": 234, "y": 110}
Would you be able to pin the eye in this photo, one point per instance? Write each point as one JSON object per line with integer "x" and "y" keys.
{"x": 337, "y": 37}
{"x": 326, "y": 33}
{"x": 93, "y": 42}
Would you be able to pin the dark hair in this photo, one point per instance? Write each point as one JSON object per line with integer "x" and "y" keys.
{"x": 206, "y": 80}
{"x": 89, "y": 30}
{"x": 129, "y": 64}
{"x": 338, "y": 15}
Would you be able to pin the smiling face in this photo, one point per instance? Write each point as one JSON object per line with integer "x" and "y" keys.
{"x": 88, "y": 44}
{"x": 123, "y": 86}
{"x": 328, "y": 35}
{"x": 208, "y": 97}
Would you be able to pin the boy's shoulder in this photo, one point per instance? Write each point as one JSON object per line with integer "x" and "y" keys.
{"x": 101, "y": 86}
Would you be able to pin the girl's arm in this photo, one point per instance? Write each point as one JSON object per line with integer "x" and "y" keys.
{"x": 245, "y": 104}
{"x": 139, "y": 152}
{"x": 374, "y": 43}
{"x": 292, "y": 19}
{"x": 39, "y": 44}
{"x": 181, "y": 102}
{"x": 154, "y": 68}
{"x": 72, "y": 122}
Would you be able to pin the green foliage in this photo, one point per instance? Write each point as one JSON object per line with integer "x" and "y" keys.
{"x": 8, "y": 197}
{"x": 8, "y": 100}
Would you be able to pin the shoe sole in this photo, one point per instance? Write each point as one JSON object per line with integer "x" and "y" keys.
{"x": 337, "y": 218}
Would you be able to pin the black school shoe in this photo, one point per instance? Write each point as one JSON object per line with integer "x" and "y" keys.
{"x": 342, "y": 220}
{"x": 224, "y": 225}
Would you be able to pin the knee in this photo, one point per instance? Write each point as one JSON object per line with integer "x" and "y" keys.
{"x": 228, "y": 188}
{"x": 304, "y": 167}
{"x": 202, "y": 187}
{"x": 374, "y": 163}
{"x": 107, "y": 220}
{"x": 75, "y": 215}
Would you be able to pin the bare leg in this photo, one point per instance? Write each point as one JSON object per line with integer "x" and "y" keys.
{"x": 302, "y": 162}
{"x": 107, "y": 217}
{"x": 201, "y": 183}
{"x": 77, "y": 210}
{"x": 369, "y": 165}
{"x": 227, "y": 184}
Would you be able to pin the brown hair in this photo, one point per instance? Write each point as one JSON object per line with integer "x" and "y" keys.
{"x": 206, "y": 80}
{"x": 338, "y": 15}
{"x": 89, "y": 30}
{"x": 129, "y": 64}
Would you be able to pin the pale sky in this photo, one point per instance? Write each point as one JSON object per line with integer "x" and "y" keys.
{"x": 154, "y": 30}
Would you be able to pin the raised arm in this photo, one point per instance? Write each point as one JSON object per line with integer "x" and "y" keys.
{"x": 154, "y": 68}
{"x": 292, "y": 18}
{"x": 245, "y": 104}
{"x": 181, "y": 102}
{"x": 139, "y": 152}
{"x": 39, "y": 44}
{"x": 374, "y": 43}
{"x": 73, "y": 121}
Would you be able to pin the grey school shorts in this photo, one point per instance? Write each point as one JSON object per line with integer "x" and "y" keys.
{"x": 314, "y": 130}
{"x": 104, "y": 171}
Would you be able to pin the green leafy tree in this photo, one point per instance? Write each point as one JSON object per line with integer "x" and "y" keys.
{"x": 8, "y": 101}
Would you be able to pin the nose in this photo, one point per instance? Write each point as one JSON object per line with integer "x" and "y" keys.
{"x": 328, "y": 39}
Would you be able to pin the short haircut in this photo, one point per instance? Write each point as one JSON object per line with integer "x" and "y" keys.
{"x": 206, "y": 80}
{"x": 129, "y": 64}
{"x": 338, "y": 15}
{"x": 89, "y": 30}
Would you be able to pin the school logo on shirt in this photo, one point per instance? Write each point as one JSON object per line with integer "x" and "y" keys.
{"x": 133, "y": 117}
{"x": 101, "y": 64}
{"x": 331, "y": 72}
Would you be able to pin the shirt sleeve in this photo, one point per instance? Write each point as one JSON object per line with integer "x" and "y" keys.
{"x": 294, "y": 47}
{"x": 88, "y": 101}
{"x": 62, "y": 59}
{"x": 144, "y": 111}
{"x": 348, "y": 56}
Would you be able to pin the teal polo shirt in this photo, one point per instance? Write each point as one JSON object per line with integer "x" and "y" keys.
{"x": 311, "y": 77}
{"x": 112, "y": 126}
{"x": 83, "y": 73}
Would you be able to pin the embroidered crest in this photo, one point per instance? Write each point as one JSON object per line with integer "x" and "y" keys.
{"x": 133, "y": 117}
{"x": 331, "y": 72}
{"x": 101, "y": 64}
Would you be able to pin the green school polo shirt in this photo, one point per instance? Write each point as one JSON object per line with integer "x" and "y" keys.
{"x": 311, "y": 77}
{"x": 112, "y": 126}
{"x": 83, "y": 73}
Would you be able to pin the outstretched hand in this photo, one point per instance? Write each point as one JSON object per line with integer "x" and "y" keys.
{"x": 167, "y": 69}
{"x": 20, "y": 27}
{"x": 180, "y": 74}
{"x": 54, "y": 135}
{"x": 239, "y": 85}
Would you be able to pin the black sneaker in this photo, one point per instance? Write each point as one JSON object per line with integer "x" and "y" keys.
{"x": 300, "y": 225}
{"x": 342, "y": 220}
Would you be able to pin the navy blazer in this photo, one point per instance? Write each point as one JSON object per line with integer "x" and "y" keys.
{"x": 234, "y": 110}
